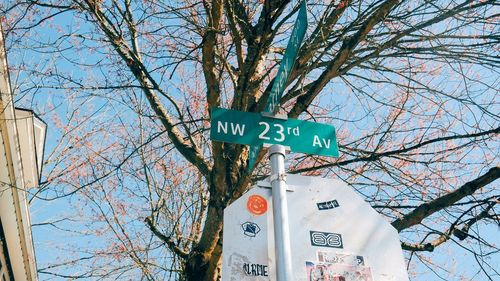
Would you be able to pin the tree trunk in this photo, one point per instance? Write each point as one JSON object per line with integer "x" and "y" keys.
{"x": 205, "y": 258}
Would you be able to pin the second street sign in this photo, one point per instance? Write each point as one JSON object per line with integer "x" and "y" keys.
{"x": 254, "y": 129}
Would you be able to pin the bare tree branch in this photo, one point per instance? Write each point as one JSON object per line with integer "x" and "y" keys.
{"x": 421, "y": 212}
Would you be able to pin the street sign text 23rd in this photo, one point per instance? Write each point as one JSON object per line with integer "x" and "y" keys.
{"x": 254, "y": 129}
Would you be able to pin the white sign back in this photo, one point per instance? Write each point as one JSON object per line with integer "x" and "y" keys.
{"x": 334, "y": 234}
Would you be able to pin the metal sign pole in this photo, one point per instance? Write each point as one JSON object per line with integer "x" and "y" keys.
{"x": 280, "y": 214}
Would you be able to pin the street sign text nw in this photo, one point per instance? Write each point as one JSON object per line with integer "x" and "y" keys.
{"x": 254, "y": 129}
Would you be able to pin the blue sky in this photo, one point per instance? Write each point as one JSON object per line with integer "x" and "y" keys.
{"x": 107, "y": 110}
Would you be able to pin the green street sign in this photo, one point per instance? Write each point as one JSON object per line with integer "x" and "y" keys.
{"x": 257, "y": 130}
{"x": 298, "y": 33}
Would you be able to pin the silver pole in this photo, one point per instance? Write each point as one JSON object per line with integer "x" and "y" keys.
{"x": 280, "y": 213}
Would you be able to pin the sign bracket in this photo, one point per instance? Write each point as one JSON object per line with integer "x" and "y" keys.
{"x": 275, "y": 116}
{"x": 267, "y": 185}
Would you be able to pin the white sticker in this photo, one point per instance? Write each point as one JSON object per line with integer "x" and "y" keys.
{"x": 337, "y": 272}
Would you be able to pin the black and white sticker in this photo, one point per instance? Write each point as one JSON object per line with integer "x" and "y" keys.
{"x": 327, "y": 205}
{"x": 253, "y": 269}
{"x": 326, "y": 239}
{"x": 250, "y": 229}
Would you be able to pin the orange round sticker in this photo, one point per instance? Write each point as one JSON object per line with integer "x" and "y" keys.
{"x": 256, "y": 204}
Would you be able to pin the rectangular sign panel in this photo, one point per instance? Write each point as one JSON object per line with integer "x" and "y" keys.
{"x": 254, "y": 129}
{"x": 289, "y": 58}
